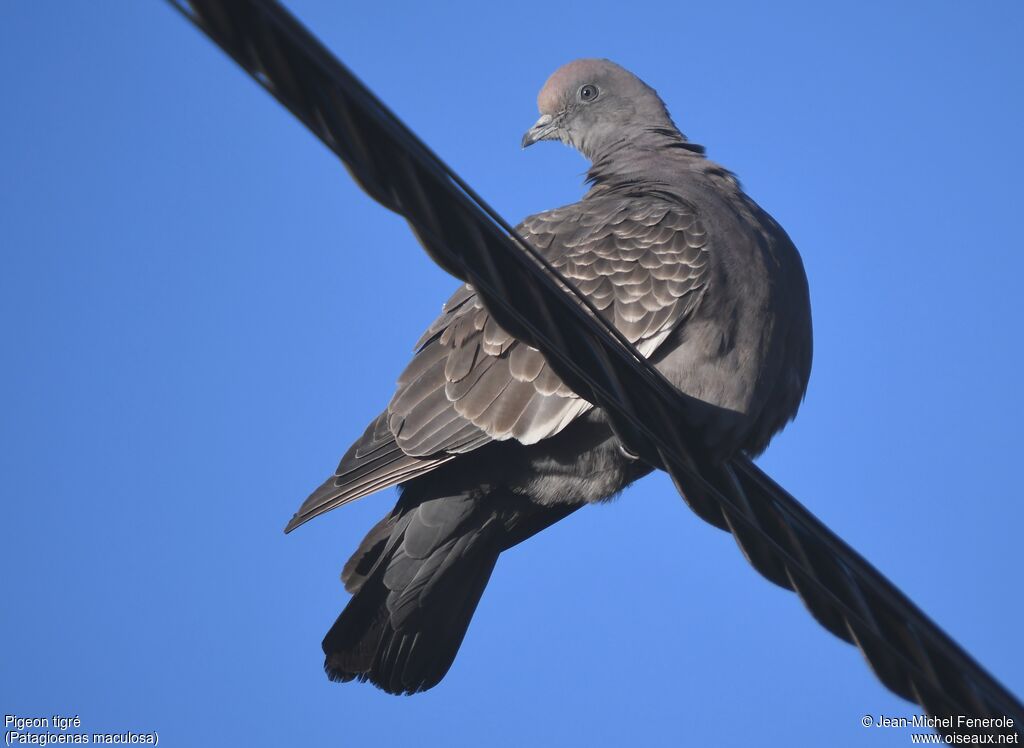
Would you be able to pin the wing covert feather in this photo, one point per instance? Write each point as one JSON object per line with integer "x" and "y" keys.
{"x": 642, "y": 263}
{"x": 643, "y": 266}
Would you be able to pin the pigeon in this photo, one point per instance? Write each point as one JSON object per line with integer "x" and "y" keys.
{"x": 489, "y": 447}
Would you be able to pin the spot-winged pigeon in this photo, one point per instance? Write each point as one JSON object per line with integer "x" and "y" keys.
{"x": 692, "y": 271}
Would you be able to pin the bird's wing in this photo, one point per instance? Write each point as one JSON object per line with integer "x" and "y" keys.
{"x": 642, "y": 263}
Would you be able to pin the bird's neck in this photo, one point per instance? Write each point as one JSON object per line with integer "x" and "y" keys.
{"x": 653, "y": 156}
{"x": 641, "y": 153}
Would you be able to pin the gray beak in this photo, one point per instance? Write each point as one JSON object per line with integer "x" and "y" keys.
{"x": 543, "y": 129}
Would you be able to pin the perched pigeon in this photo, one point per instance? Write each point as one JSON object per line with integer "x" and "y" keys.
{"x": 694, "y": 273}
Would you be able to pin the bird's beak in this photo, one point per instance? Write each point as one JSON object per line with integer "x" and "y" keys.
{"x": 543, "y": 129}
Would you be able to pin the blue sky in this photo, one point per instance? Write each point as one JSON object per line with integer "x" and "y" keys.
{"x": 200, "y": 312}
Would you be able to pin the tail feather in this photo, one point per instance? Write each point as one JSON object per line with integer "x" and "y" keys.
{"x": 417, "y": 579}
{"x": 414, "y": 658}
{"x": 362, "y": 562}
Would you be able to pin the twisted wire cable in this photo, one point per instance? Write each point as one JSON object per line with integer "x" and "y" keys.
{"x": 908, "y": 652}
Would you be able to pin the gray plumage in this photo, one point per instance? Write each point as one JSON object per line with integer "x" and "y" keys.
{"x": 668, "y": 248}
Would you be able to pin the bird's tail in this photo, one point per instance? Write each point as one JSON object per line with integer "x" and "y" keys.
{"x": 417, "y": 579}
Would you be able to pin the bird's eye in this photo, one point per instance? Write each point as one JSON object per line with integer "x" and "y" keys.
{"x": 588, "y": 93}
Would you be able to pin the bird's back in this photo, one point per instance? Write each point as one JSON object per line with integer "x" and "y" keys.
{"x": 745, "y": 349}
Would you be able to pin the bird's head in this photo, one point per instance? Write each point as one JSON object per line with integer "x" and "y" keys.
{"x": 593, "y": 105}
